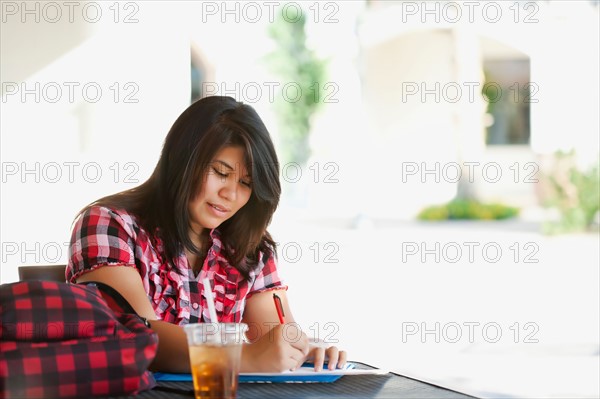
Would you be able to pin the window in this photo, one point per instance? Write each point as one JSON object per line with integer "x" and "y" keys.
{"x": 509, "y": 92}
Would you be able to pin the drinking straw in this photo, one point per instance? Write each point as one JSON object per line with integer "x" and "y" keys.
{"x": 208, "y": 294}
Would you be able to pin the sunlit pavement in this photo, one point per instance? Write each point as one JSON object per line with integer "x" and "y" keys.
{"x": 519, "y": 318}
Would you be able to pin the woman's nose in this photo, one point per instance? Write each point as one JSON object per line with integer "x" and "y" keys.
{"x": 229, "y": 189}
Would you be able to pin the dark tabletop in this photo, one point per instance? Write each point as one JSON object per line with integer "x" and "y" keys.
{"x": 392, "y": 386}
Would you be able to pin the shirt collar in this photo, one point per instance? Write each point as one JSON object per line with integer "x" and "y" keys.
{"x": 215, "y": 237}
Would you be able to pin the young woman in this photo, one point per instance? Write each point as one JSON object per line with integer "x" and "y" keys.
{"x": 203, "y": 213}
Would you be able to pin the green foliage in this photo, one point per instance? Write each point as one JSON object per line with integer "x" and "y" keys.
{"x": 297, "y": 67}
{"x": 467, "y": 209}
{"x": 575, "y": 193}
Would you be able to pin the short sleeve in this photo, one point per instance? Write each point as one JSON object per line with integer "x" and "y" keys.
{"x": 268, "y": 276}
{"x": 100, "y": 237}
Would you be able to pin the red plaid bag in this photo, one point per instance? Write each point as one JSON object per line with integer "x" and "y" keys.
{"x": 64, "y": 341}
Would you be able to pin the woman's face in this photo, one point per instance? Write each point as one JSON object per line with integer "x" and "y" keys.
{"x": 226, "y": 188}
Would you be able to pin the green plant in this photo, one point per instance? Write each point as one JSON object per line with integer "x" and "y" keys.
{"x": 575, "y": 193}
{"x": 302, "y": 75}
{"x": 467, "y": 209}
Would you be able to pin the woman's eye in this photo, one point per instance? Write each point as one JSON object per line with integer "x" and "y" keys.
{"x": 219, "y": 173}
{"x": 246, "y": 183}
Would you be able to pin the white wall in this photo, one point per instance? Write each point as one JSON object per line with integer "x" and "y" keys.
{"x": 66, "y": 140}
{"x": 406, "y": 130}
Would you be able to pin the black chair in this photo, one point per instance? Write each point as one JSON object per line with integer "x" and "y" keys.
{"x": 43, "y": 272}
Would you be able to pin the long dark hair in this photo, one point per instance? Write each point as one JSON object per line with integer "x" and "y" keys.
{"x": 161, "y": 202}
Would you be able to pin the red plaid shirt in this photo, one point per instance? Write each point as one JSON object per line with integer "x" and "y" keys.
{"x": 105, "y": 237}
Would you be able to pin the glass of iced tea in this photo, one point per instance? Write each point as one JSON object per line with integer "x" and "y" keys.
{"x": 215, "y": 355}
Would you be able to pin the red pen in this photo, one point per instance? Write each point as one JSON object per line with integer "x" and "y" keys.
{"x": 279, "y": 307}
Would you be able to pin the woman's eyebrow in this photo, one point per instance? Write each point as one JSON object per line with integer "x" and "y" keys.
{"x": 224, "y": 164}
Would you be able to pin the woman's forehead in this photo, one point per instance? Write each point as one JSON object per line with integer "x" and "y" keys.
{"x": 232, "y": 157}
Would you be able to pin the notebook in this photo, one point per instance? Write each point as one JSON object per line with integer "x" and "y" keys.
{"x": 304, "y": 374}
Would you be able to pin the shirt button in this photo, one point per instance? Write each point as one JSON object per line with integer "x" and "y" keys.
{"x": 195, "y": 306}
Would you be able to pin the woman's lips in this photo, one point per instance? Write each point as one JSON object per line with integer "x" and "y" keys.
{"x": 219, "y": 210}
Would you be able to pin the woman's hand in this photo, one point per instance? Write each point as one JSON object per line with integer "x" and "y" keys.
{"x": 278, "y": 350}
{"x": 284, "y": 347}
{"x": 319, "y": 352}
